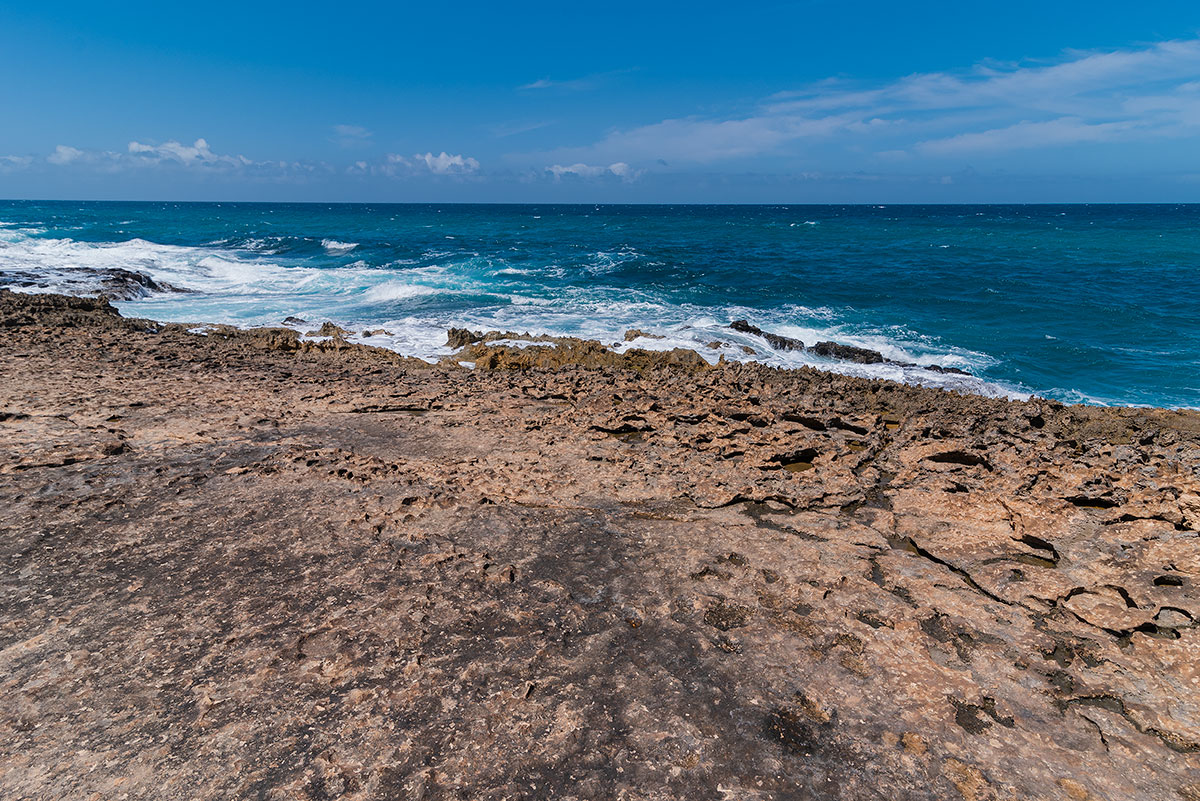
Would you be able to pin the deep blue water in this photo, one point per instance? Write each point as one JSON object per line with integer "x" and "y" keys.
{"x": 1083, "y": 303}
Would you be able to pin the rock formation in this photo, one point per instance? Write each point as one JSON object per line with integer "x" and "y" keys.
{"x": 244, "y": 565}
{"x": 112, "y": 283}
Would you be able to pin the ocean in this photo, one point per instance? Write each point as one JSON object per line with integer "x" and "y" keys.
{"x": 1080, "y": 303}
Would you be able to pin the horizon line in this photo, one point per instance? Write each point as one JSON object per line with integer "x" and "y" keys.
{"x": 608, "y": 203}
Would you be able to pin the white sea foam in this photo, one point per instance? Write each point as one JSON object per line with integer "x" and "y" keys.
{"x": 334, "y": 246}
{"x": 607, "y": 261}
{"x": 396, "y": 290}
{"x": 268, "y": 245}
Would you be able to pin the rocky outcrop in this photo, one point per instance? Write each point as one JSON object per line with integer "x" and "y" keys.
{"x": 637, "y": 333}
{"x": 833, "y": 350}
{"x": 551, "y": 351}
{"x": 577, "y": 353}
{"x": 939, "y": 369}
{"x": 238, "y": 564}
{"x": 110, "y": 283}
{"x": 458, "y": 338}
{"x": 847, "y": 353}
{"x": 508, "y": 350}
{"x": 119, "y": 284}
{"x": 328, "y": 329}
{"x": 774, "y": 340}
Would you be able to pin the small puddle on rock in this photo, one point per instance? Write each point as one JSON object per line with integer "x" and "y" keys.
{"x": 901, "y": 543}
{"x": 856, "y": 446}
{"x": 797, "y": 467}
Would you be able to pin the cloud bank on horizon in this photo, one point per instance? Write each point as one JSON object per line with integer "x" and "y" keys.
{"x": 1087, "y": 118}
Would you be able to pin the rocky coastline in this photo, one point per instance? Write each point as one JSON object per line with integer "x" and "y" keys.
{"x": 254, "y": 564}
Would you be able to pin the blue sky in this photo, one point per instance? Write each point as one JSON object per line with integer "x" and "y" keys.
{"x": 776, "y": 102}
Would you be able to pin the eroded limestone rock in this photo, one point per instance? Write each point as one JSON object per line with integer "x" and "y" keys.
{"x": 244, "y": 566}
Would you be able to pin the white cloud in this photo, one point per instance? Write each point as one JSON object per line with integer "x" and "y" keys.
{"x": 445, "y": 164}
{"x": 1024, "y": 135}
{"x": 198, "y": 157}
{"x": 351, "y": 135}
{"x": 705, "y": 141}
{"x": 64, "y": 154}
{"x": 395, "y": 165}
{"x": 1085, "y": 97}
{"x": 11, "y": 163}
{"x": 619, "y": 169}
{"x": 197, "y": 154}
{"x": 575, "y": 84}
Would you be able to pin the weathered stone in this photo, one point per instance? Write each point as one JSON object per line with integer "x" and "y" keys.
{"x": 245, "y": 566}
{"x": 328, "y": 329}
{"x": 109, "y": 283}
{"x": 458, "y": 338}
{"x": 774, "y": 340}
{"x": 634, "y": 333}
{"x": 847, "y": 353}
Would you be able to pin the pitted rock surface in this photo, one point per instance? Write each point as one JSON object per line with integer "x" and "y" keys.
{"x": 238, "y": 564}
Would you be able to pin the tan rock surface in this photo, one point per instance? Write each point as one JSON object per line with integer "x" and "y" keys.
{"x": 240, "y": 565}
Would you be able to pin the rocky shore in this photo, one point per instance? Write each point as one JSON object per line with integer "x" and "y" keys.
{"x": 238, "y": 564}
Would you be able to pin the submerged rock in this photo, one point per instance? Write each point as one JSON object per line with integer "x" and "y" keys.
{"x": 936, "y": 368}
{"x": 774, "y": 340}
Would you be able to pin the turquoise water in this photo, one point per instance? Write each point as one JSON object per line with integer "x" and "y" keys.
{"x": 1084, "y": 303}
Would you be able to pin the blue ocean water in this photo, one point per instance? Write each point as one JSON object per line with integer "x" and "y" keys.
{"x": 1081, "y": 303}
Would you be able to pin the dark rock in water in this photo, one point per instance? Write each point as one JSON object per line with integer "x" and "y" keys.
{"x": 774, "y": 340}
{"x": 830, "y": 350}
{"x": 939, "y": 369}
{"x": 295, "y": 321}
{"x": 112, "y": 283}
{"x": 119, "y": 284}
{"x": 460, "y": 337}
{"x": 745, "y": 327}
{"x": 848, "y": 353}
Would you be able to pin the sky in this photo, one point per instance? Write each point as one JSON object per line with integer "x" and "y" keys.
{"x": 812, "y": 101}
